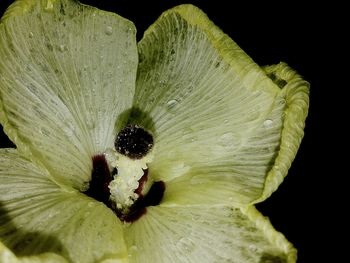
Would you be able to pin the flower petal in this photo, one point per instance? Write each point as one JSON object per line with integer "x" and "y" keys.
{"x": 216, "y": 115}
{"x": 66, "y": 72}
{"x": 6, "y": 256}
{"x": 280, "y": 134}
{"x": 37, "y": 217}
{"x": 296, "y": 93}
{"x": 213, "y": 234}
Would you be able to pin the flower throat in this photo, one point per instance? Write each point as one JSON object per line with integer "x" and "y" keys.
{"x": 126, "y": 188}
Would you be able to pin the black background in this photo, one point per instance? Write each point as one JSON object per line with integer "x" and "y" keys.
{"x": 272, "y": 32}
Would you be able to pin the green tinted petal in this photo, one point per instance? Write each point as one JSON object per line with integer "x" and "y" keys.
{"x": 206, "y": 234}
{"x": 296, "y": 93}
{"x": 6, "y": 256}
{"x": 280, "y": 134}
{"x": 37, "y": 217}
{"x": 66, "y": 72}
{"x": 217, "y": 117}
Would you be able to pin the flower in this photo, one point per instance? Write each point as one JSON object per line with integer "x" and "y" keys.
{"x": 218, "y": 134}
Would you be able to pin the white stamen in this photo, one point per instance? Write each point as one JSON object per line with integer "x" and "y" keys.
{"x": 124, "y": 184}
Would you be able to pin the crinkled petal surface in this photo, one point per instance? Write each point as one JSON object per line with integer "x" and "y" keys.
{"x": 36, "y": 217}
{"x": 219, "y": 120}
{"x": 214, "y": 234}
{"x": 67, "y": 71}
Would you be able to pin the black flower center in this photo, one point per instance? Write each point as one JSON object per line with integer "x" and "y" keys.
{"x": 134, "y": 142}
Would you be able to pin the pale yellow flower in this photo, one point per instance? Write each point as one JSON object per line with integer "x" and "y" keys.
{"x": 224, "y": 133}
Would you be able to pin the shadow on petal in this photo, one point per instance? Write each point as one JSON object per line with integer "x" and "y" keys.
{"x": 26, "y": 243}
{"x": 136, "y": 116}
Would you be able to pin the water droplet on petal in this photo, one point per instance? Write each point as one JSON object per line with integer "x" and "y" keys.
{"x": 62, "y": 48}
{"x": 229, "y": 141}
{"x": 268, "y": 123}
{"x": 171, "y": 104}
{"x": 109, "y": 30}
{"x": 44, "y": 131}
{"x": 196, "y": 217}
{"x": 110, "y": 155}
{"x": 190, "y": 89}
{"x": 90, "y": 124}
{"x": 85, "y": 187}
{"x": 282, "y": 102}
{"x": 49, "y": 5}
{"x": 185, "y": 244}
{"x": 132, "y": 250}
{"x": 226, "y": 139}
{"x": 253, "y": 248}
{"x": 68, "y": 129}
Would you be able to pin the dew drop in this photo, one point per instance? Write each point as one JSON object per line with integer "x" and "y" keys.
{"x": 226, "y": 139}
{"x": 196, "y": 217}
{"x": 68, "y": 132}
{"x": 109, "y": 30}
{"x": 44, "y": 131}
{"x": 171, "y": 104}
{"x": 253, "y": 248}
{"x": 49, "y": 5}
{"x": 268, "y": 123}
{"x": 282, "y": 102}
{"x": 31, "y": 35}
{"x": 62, "y": 48}
{"x": 190, "y": 89}
{"x": 132, "y": 250}
{"x": 68, "y": 129}
{"x": 185, "y": 244}
{"x": 188, "y": 130}
{"x": 110, "y": 155}
{"x": 90, "y": 124}
{"x": 229, "y": 141}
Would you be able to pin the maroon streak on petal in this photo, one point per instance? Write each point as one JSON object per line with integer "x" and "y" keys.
{"x": 100, "y": 179}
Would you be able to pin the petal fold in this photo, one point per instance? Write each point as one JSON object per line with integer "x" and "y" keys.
{"x": 206, "y": 234}
{"x": 296, "y": 93}
{"x": 37, "y": 217}
{"x": 67, "y": 71}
